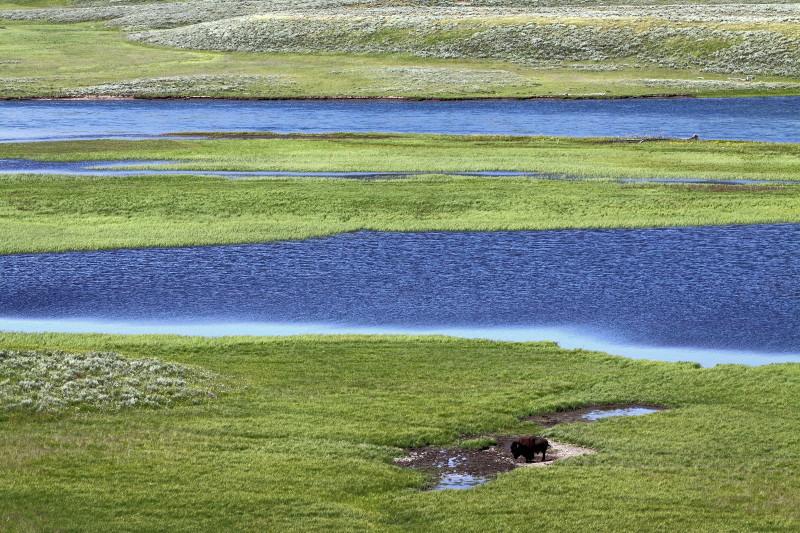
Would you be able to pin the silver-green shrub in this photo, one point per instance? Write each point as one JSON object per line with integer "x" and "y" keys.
{"x": 197, "y": 85}
{"x": 509, "y": 35}
{"x": 53, "y": 381}
{"x": 752, "y": 38}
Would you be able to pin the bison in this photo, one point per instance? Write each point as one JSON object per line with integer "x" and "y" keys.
{"x": 528, "y": 447}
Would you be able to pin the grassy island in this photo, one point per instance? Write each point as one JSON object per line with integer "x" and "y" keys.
{"x": 58, "y": 213}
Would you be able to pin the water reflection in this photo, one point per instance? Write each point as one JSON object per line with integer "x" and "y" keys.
{"x": 630, "y": 411}
{"x": 459, "y": 481}
{"x": 116, "y": 168}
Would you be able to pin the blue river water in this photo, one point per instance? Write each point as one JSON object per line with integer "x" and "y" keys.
{"x": 772, "y": 119}
{"x": 708, "y": 294}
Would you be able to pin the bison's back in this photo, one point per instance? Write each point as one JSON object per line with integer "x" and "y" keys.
{"x": 534, "y": 443}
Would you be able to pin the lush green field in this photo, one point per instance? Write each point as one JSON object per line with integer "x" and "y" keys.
{"x": 52, "y": 213}
{"x": 305, "y": 442}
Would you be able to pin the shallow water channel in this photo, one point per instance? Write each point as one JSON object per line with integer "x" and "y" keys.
{"x": 772, "y": 119}
{"x": 119, "y": 168}
{"x": 706, "y": 294}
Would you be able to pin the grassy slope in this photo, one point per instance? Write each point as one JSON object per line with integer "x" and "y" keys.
{"x": 43, "y": 59}
{"x": 39, "y": 214}
{"x": 306, "y": 443}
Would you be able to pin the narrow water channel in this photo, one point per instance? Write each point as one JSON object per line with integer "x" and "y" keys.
{"x": 771, "y": 119}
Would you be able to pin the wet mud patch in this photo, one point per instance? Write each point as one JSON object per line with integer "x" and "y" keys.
{"x": 457, "y": 468}
{"x": 594, "y": 412}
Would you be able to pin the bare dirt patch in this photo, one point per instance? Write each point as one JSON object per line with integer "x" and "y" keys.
{"x": 584, "y": 414}
{"x": 474, "y": 467}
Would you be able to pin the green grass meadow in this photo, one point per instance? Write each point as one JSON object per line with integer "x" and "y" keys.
{"x": 304, "y": 440}
{"x": 341, "y": 152}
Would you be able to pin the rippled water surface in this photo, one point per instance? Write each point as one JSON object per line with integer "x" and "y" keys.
{"x": 775, "y": 119}
{"x": 712, "y": 294}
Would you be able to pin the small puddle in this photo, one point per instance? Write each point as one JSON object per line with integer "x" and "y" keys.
{"x": 630, "y": 411}
{"x": 593, "y": 412}
{"x": 459, "y": 481}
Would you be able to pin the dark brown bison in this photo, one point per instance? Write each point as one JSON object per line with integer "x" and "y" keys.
{"x": 528, "y": 447}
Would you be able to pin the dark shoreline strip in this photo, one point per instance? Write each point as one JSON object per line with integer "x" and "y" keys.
{"x": 341, "y": 98}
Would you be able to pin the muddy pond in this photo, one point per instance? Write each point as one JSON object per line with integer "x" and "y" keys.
{"x": 772, "y": 119}
{"x": 480, "y": 458}
{"x": 706, "y": 294}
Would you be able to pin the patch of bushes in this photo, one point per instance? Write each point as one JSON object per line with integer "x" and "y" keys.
{"x": 54, "y": 381}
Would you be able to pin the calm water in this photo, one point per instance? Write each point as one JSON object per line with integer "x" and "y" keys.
{"x": 459, "y": 481}
{"x": 775, "y": 119}
{"x": 630, "y": 411}
{"x": 713, "y": 294}
{"x": 106, "y": 168}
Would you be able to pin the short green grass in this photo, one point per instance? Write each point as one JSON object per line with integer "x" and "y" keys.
{"x": 41, "y": 215}
{"x": 306, "y": 442}
{"x": 57, "y": 213}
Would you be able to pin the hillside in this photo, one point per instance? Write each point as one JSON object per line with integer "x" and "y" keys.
{"x": 373, "y": 48}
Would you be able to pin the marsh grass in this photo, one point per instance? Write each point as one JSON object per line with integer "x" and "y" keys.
{"x": 58, "y": 213}
{"x": 80, "y": 214}
{"x": 343, "y": 152}
{"x": 307, "y": 441}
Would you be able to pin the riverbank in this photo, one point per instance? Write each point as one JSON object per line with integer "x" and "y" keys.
{"x": 96, "y": 60}
{"x": 91, "y": 98}
{"x": 305, "y": 437}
